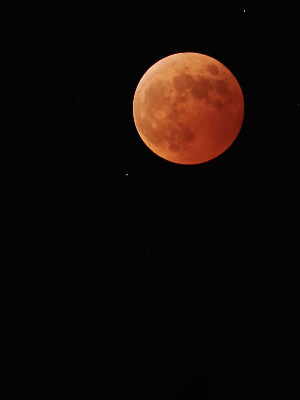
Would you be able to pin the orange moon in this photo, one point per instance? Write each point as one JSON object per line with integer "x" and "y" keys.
{"x": 188, "y": 108}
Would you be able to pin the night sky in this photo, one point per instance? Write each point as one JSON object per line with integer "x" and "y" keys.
{"x": 124, "y": 275}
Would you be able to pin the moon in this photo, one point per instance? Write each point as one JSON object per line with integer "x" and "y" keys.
{"x": 188, "y": 108}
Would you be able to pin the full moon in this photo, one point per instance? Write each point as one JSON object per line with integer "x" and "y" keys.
{"x": 188, "y": 108}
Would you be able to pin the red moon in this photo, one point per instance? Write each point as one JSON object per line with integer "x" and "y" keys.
{"x": 188, "y": 108}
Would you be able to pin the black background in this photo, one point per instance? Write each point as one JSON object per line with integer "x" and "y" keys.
{"x": 124, "y": 275}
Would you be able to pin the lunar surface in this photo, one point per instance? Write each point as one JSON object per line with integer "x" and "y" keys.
{"x": 188, "y": 108}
